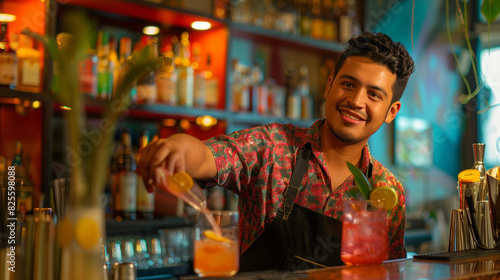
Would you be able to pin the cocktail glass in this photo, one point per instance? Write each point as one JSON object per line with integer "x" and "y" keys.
{"x": 364, "y": 234}
{"x": 217, "y": 255}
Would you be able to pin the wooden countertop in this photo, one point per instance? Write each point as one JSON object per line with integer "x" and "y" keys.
{"x": 408, "y": 269}
{"x": 412, "y": 269}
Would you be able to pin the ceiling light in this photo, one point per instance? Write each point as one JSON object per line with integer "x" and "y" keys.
{"x": 7, "y": 17}
{"x": 201, "y": 25}
{"x": 151, "y": 30}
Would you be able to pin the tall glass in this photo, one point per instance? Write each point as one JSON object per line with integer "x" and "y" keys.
{"x": 364, "y": 234}
{"x": 217, "y": 255}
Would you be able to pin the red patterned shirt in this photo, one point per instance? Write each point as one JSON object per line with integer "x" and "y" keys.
{"x": 257, "y": 164}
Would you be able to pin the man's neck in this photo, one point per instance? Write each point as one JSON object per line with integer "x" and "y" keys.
{"x": 338, "y": 151}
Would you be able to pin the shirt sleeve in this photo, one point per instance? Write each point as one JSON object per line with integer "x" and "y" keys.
{"x": 239, "y": 155}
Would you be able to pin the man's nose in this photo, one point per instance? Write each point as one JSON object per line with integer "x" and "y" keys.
{"x": 357, "y": 98}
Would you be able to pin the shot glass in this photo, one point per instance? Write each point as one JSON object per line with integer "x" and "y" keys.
{"x": 364, "y": 234}
{"x": 217, "y": 255}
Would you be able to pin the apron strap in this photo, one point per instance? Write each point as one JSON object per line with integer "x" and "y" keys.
{"x": 298, "y": 173}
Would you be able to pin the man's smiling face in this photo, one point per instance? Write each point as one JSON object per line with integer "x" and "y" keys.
{"x": 358, "y": 100}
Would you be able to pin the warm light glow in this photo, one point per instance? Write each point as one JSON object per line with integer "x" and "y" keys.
{"x": 169, "y": 122}
{"x": 151, "y": 30}
{"x": 206, "y": 122}
{"x": 65, "y": 108}
{"x": 185, "y": 124}
{"x": 7, "y": 17}
{"x": 201, "y": 25}
{"x": 208, "y": 75}
{"x": 35, "y": 104}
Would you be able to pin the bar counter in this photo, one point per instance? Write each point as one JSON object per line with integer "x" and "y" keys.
{"x": 407, "y": 269}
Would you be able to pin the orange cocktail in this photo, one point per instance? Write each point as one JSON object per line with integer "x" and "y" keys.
{"x": 216, "y": 258}
{"x": 217, "y": 254}
{"x": 364, "y": 235}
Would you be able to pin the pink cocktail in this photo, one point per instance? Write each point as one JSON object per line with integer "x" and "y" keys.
{"x": 364, "y": 234}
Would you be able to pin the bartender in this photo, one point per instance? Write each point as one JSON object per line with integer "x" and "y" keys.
{"x": 291, "y": 181}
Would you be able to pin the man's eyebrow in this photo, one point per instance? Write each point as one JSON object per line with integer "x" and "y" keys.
{"x": 370, "y": 86}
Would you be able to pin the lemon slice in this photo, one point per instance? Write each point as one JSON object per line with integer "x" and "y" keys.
{"x": 210, "y": 234}
{"x": 179, "y": 182}
{"x": 384, "y": 197}
{"x": 469, "y": 176}
{"x": 86, "y": 233}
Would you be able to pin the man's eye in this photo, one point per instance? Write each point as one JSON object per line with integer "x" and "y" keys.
{"x": 375, "y": 95}
{"x": 347, "y": 84}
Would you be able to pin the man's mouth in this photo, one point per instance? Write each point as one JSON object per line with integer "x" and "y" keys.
{"x": 351, "y": 117}
{"x": 345, "y": 114}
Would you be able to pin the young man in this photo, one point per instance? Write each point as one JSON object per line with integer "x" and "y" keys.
{"x": 294, "y": 222}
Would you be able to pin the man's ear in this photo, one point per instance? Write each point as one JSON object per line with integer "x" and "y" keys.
{"x": 328, "y": 86}
{"x": 393, "y": 111}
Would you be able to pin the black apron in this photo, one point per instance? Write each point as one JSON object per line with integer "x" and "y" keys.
{"x": 298, "y": 238}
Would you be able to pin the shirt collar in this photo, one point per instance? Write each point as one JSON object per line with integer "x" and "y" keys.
{"x": 312, "y": 135}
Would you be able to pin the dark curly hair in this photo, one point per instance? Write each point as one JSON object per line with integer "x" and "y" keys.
{"x": 381, "y": 49}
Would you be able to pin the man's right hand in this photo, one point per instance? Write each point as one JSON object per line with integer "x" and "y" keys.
{"x": 179, "y": 152}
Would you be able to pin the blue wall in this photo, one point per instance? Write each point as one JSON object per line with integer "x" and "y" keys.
{"x": 431, "y": 95}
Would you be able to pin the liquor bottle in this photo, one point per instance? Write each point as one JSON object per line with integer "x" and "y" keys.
{"x": 104, "y": 67}
{"x": 8, "y": 60}
{"x": 145, "y": 200}
{"x": 29, "y": 69}
{"x": 346, "y": 19}
{"x": 113, "y": 59}
{"x": 292, "y": 96}
{"x": 212, "y": 85}
{"x": 330, "y": 32}
{"x": 259, "y": 89}
{"x": 146, "y": 83}
{"x": 87, "y": 70}
{"x": 125, "y": 62}
{"x": 166, "y": 78}
{"x": 185, "y": 73}
{"x": 306, "y": 102}
{"x": 124, "y": 180}
{"x": 239, "y": 88}
{"x": 304, "y": 18}
{"x": 199, "y": 87}
{"x": 122, "y": 64}
{"x": 24, "y": 186}
{"x": 316, "y": 20}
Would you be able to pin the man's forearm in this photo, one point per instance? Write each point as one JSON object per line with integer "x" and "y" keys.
{"x": 199, "y": 160}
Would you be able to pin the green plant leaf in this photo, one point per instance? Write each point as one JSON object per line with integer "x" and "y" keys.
{"x": 360, "y": 179}
{"x": 490, "y": 10}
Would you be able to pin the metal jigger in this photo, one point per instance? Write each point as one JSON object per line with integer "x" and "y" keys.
{"x": 61, "y": 188}
{"x": 493, "y": 182}
{"x": 460, "y": 237}
{"x": 482, "y": 192}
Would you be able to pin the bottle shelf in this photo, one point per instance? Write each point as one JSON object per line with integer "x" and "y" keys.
{"x": 12, "y": 94}
{"x": 257, "y": 32}
{"x": 138, "y": 227}
{"x": 256, "y": 119}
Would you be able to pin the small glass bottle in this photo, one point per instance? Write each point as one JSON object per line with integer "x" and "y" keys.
{"x": 145, "y": 199}
{"x": 24, "y": 186}
{"x": 124, "y": 180}
{"x": 146, "y": 83}
{"x": 29, "y": 70}
{"x": 8, "y": 60}
{"x": 166, "y": 78}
